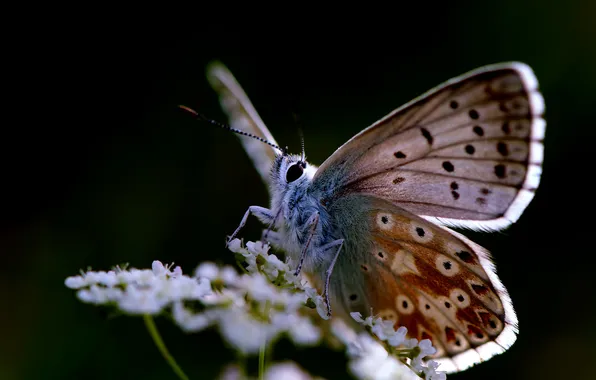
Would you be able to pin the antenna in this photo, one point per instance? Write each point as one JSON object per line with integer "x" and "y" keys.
{"x": 301, "y": 133}
{"x": 228, "y": 128}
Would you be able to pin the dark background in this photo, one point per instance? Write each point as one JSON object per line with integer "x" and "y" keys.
{"x": 100, "y": 167}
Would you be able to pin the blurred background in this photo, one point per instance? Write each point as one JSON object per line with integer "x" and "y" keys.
{"x": 101, "y": 168}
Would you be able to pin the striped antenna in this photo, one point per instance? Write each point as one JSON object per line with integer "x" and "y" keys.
{"x": 228, "y": 128}
{"x": 301, "y": 133}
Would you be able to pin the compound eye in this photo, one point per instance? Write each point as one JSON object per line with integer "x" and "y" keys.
{"x": 294, "y": 172}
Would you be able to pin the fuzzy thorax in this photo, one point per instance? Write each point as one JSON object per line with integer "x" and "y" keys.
{"x": 299, "y": 214}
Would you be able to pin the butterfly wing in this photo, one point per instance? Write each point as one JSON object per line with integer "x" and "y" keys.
{"x": 433, "y": 281}
{"x": 242, "y": 115}
{"x": 467, "y": 153}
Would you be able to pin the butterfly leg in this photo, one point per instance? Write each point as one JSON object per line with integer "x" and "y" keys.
{"x": 263, "y": 214}
{"x": 265, "y": 236}
{"x": 273, "y": 238}
{"x": 313, "y": 221}
{"x": 334, "y": 243}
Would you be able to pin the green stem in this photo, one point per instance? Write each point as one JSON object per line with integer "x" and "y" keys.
{"x": 262, "y": 351}
{"x": 150, "y": 324}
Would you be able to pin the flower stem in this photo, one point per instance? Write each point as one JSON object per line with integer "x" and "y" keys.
{"x": 150, "y": 324}
{"x": 262, "y": 351}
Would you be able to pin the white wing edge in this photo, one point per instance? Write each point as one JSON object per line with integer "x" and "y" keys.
{"x": 505, "y": 339}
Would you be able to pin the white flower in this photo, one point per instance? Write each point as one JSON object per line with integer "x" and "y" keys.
{"x": 232, "y": 372}
{"x": 142, "y": 301}
{"x": 383, "y": 329}
{"x": 186, "y": 288}
{"x": 301, "y": 330}
{"x": 286, "y": 371}
{"x": 291, "y": 279}
{"x": 273, "y": 266}
{"x": 365, "y": 322}
{"x": 158, "y": 268}
{"x": 253, "y": 310}
{"x": 144, "y": 277}
{"x": 207, "y": 270}
{"x": 75, "y": 282}
{"x": 399, "y": 337}
{"x": 426, "y": 348}
{"x": 371, "y": 361}
{"x": 236, "y": 246}
{"x": 257, "y": 248}
{"x": 134, "y": 291}
{"x": 319, "y": 302}
{"x": 193, "y": 322}
{"x": 410, "y": 343}
{"x": 370, "y": 356}
{"x": 277, "y": 371}
{"x": 431, "y": 372}
{"x": 227, "y": 275}
{"x": 99, "y": 295}
{"x": 260, "y": 289}
{"x": 243, "y": 331}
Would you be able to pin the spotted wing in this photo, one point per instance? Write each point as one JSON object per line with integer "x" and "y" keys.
{"x": 243, "y": 116}
{"x": 467, "y": 153}
{"x": 427, "y": 278}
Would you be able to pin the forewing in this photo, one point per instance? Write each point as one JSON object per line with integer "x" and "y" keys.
{"x": 427, "y": 278}
{"x": 242, "y": 115}
{"x": 467, "y": 153}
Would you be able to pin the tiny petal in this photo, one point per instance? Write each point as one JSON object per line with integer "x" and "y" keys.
{"x": 286, "y": 371}
{"x": 144, "y": 277}
{"x": 257, "y": 248}
{"x": 292, "y": 279}
{"x": 88, "y": 296}
{"x": 232, "y": 372}
{"x": 303, "y": 332}
{"x": 158, "y": 268}
{"x": 236, "y": 246}
{"x": 398, "y": 338}
{"x": 426, "y": 348}
{"x": 108, "y": 279}
{"x": 177, "y": 272}
{"x": 204, "y": 287}
{"x": 277, "y": 263}
{"x": 191, "y": 322}
{"x": 75, "y": 282}
{"x": 259, "y": 288}
{"x": 229, "y": 275}
{"x": 321, "y": 307}
{"x": 431, "y": 372}
{"x": 244, "y": 332}
{"x": 207, "y": 270}
{"x": 354, "y": 349}
{"x": 319, "y": 302}
{"x": 373, "y": 362}
{"x": 141, "y": 302}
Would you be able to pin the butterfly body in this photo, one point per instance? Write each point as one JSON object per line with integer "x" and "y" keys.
{"x": 297, "y": 205}
{"x": 370, "y": 225}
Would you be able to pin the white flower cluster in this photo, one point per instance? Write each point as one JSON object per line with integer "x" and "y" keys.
{"x": 285, "y": 370}
{"x": 255, "y": 308}
{"x": 249, "y": 310}
{"x": 371, "y": 360}
{"x": 138, "y": 291}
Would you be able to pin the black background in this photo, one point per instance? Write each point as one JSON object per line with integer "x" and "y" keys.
{"x": 101, "y": 168}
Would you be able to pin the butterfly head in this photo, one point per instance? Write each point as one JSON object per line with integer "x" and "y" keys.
{"x": 290, "y": 171}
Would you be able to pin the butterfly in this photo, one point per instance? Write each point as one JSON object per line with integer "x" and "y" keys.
{"x": 371, "y": 225}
